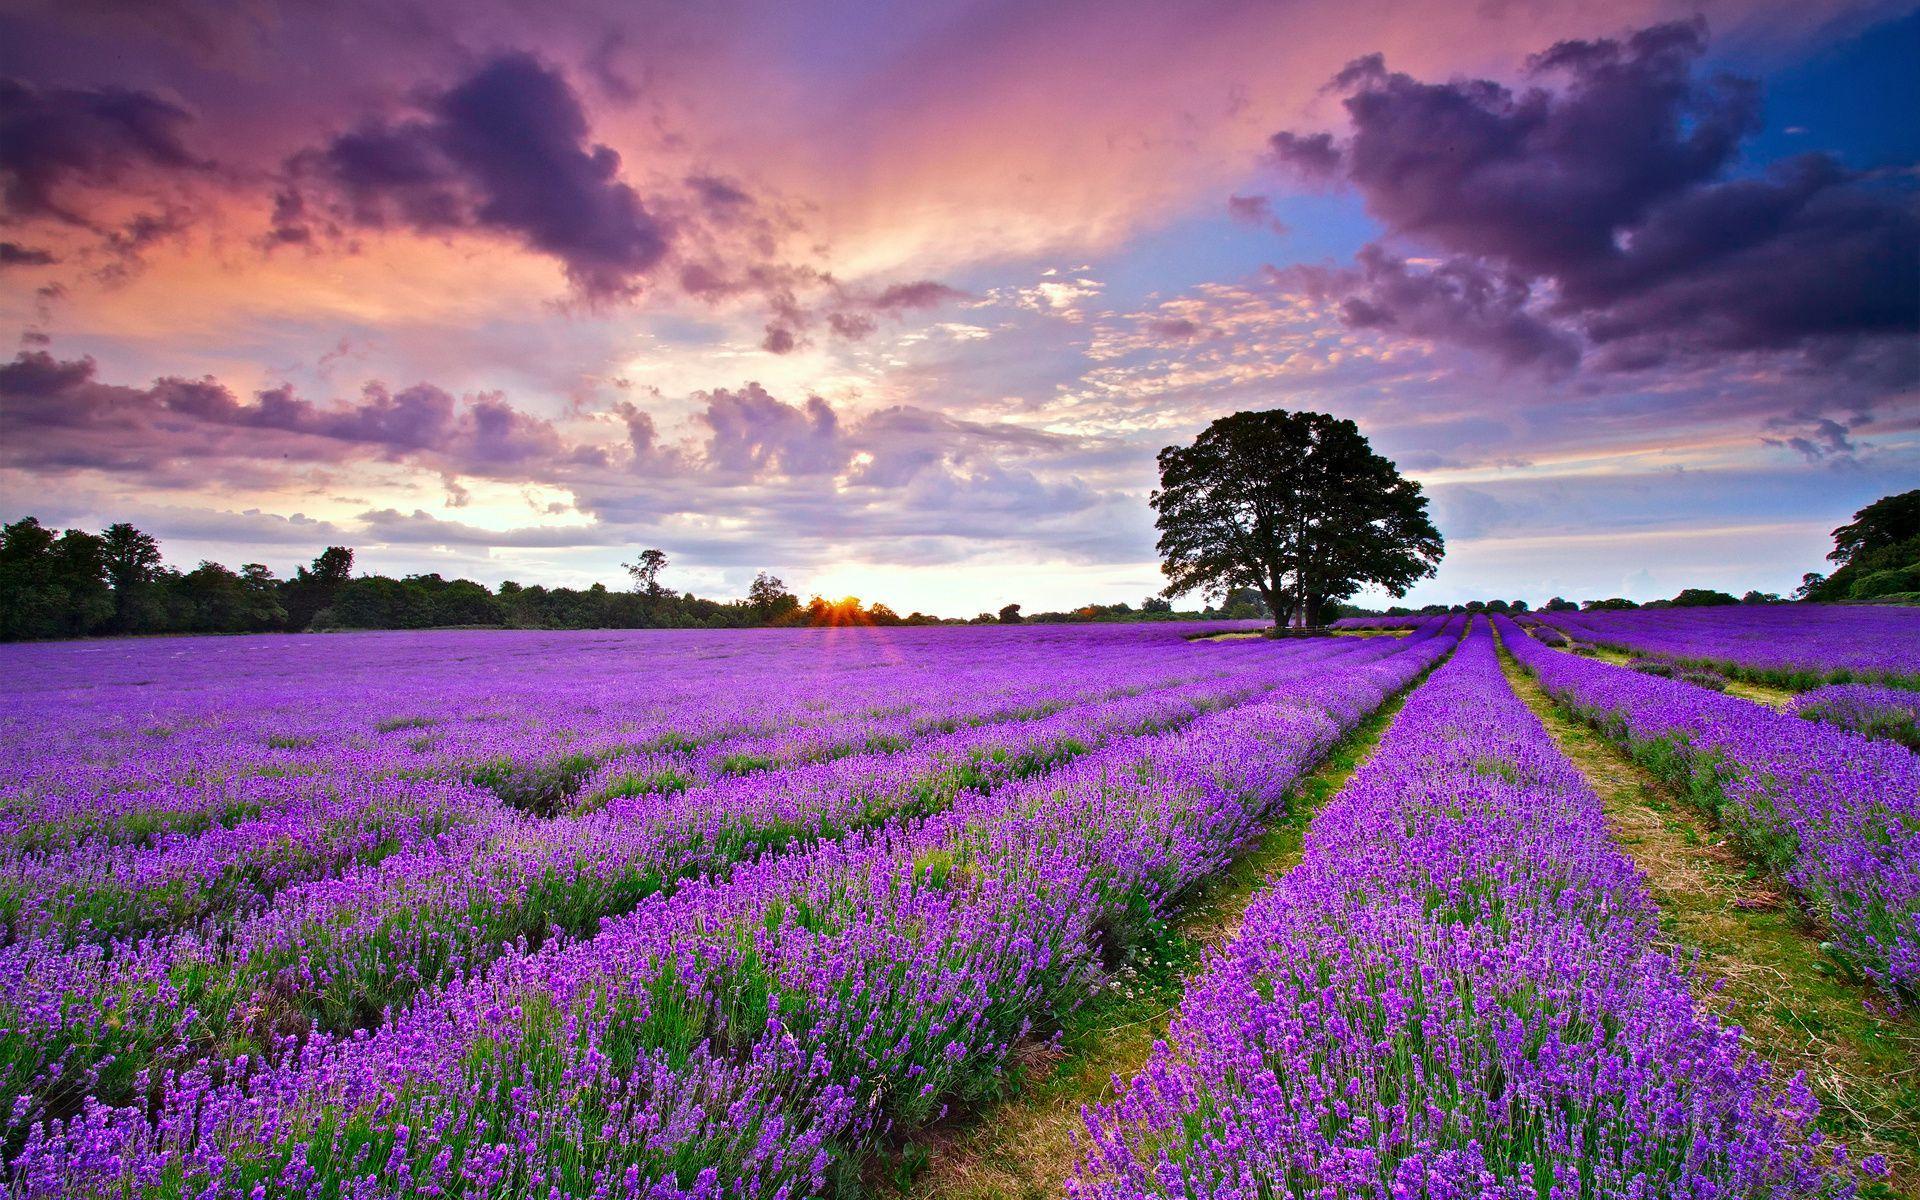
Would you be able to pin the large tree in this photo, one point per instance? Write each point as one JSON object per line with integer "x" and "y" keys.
{"x": 646, "y": 572}
{"x": 1878, "y": 552}
{"x": 133, "y": 566}
{"x": 1296, "y": 506}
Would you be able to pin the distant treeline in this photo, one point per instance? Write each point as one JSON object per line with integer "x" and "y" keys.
{"x": 72, "y": 583}
{"x": 1688, "y": 598}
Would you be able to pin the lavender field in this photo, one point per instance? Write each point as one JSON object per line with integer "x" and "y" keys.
{"x": 757, "y": 912}
{"x": 1799, "y": 645}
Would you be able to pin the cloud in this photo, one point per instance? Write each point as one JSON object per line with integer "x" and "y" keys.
{"x": 921, "y": 294}
{"x": 1462, "y": 300}
{"x": 12, "y": 254}
{"x": 1817, "y": 437}
{"x": 61, "y": 148}
{"x": 419, "y": 527}
{"x": 752, "y": 433}
{"x": 1313, "y": 155}
{"x": 851, "y": 313}
{"x": 56, "y": 415}
{"x": 506, "y": 150}
{"x": 787, "y": 471}
{"x": 1600, "y": 201}
{"x": 1256, "y": 211}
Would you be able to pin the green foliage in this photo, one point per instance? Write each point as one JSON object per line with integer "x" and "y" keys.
{"x": 79, "y": 584}
{"x": 1878, "y": 552}
{"x": 1702, "y": 598}
{"x": 770, "y": 597}
{"x": 1295, "y": 506}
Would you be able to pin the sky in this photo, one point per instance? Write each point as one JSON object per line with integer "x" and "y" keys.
{"x": 900, "y": 301}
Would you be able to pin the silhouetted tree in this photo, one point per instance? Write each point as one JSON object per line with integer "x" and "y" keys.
{"x": 770, "y": 597}
{"x": 132, "y": 562}
{"x": 314, "y": 588}
{"x": 646, "y": 571}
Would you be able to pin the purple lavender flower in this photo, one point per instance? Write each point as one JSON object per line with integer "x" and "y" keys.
{"x": 1457, "y": 993}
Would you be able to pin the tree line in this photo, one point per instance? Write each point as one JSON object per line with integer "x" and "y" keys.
{"x": 75, "y": 583}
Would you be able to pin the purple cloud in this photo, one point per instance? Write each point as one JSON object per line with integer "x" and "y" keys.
{"x": 60, "y": 145}
{"x": 1256, "y": 211}
{"x": 12, "y": 254}
{"x": 1597, "y": 205}
{"x": 506, "y": 150}
{"x": 1462, "y": 300}
{"x": 920, "y": 294}
{"x": 56, "y": 414}
{"x": 752, "y": 433}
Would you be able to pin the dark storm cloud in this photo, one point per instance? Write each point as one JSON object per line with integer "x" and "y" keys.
{"x": 60, "y": 146}
{"x": 508, "y": 150}
{"x": 1598, "y": 201}
{"x": 1312, "y": 155}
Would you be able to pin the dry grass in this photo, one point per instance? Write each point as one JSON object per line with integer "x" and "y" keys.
{"x": 1792, "y": 1000}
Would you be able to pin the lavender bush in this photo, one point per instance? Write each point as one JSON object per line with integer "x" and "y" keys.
{"x": 736, "y": 979}
{"x": 1835, "y": 814}
{"x": 1457, "y": 993}
{"x": 1792, "y": 645}
{"x": 1892, "y": 714}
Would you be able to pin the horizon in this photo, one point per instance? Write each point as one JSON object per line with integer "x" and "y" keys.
{"x": 901, "y": 304}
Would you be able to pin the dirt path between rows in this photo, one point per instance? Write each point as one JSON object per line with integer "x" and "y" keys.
{"x": 1023, "y": 1148}
{"x": 1862, "y": 1062}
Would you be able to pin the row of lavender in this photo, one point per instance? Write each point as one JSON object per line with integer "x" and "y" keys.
{"x": 130, "y": 741}
{"x": 743, "y": 1033}
{"x": 1794, "y": 645}
{"x": 86, "y": 1015}
{"x": 1836, "y": 814}
{"x": 256, "y": 833}
{"x": 1456, "y": 993}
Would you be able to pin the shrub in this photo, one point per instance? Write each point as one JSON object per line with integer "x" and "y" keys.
{"x": 1700, "y": 677}
{"x": 1889, "y": 714}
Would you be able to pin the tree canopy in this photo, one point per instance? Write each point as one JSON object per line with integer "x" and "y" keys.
{"x": 1294, "y": 505}
{"x": 1878, "y": 552}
